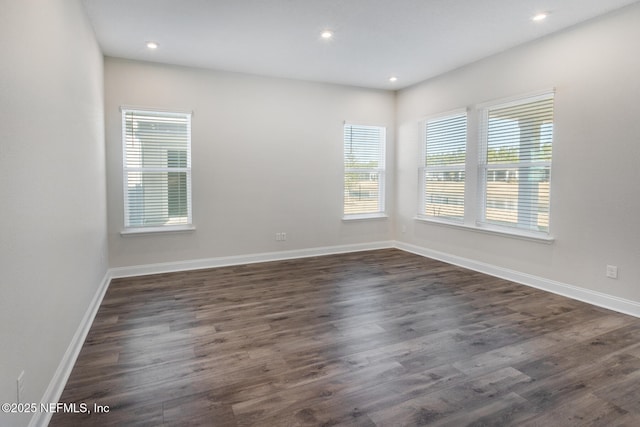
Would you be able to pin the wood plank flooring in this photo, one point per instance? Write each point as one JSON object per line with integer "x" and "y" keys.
{"x": 377, "y": 338}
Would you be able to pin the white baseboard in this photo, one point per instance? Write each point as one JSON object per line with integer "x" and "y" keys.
{"x": 599, "y": 299}
{"x": 61, "y": 376}
{"x": 198, "y": 264}
{"x": 59, "y": 380}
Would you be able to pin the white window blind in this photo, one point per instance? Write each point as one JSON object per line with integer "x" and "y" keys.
{"x": 515, "y": 164}
{"x": 364, "y": 167}
{"x": 442, "y": 176}
{"x": 157, "y": 168}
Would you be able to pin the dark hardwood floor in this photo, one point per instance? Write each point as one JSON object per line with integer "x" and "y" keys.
{"x": 378, "y": 338}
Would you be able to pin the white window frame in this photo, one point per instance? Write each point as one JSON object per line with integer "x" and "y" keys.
{"x": 484, "y": 167}
{"x": 186, "y": 225}
{"x": 380, "y": 172}
{"x": 475, "y": 167}
{"x": 424, "y": 169}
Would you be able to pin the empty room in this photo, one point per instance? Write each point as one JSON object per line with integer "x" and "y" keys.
{"x": 319, "y": 213}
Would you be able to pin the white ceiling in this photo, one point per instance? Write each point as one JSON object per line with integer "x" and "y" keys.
{"x": 374, "y": 39}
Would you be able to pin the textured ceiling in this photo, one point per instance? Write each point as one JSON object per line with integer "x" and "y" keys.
{"x": 373, "y": 39}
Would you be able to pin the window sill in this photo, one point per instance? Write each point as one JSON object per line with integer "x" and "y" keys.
{"x": 515, "y": 234}
{"x": 156, "y": 230}
{"x": 362, "y": 217}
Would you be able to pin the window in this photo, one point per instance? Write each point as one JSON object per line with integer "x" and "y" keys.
{"x": 364, "y": 165}
{"x": 515, "y": 164}
{"x": 506, "y": 174}
{"x": 157, "y": 169}
{"x": 442, "y": 176}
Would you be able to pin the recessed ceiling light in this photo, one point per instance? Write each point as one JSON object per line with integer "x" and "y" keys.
{"x": 540, "y": 16}
{"x": 393, "y": 79}
{"x": 326, "y": 34}
{"x": 152, "y": 45}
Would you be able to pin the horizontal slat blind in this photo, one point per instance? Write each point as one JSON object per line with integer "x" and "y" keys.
{"x": 443, "y": 174}
{"x": 157, "y": 168}
{"x": 364, "y": 159}
{"x": 516, "y": 164}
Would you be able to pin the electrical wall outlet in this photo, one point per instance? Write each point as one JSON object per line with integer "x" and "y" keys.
{"x": 20, "y": 387}
{"x": 281, "y": 237}
{"x": 612, "y": 271}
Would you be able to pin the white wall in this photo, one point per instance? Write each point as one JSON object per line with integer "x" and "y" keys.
{"x": 266, "y": 158}
{"x": 52, "y": 170}
{"x": 595, "y": 198}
